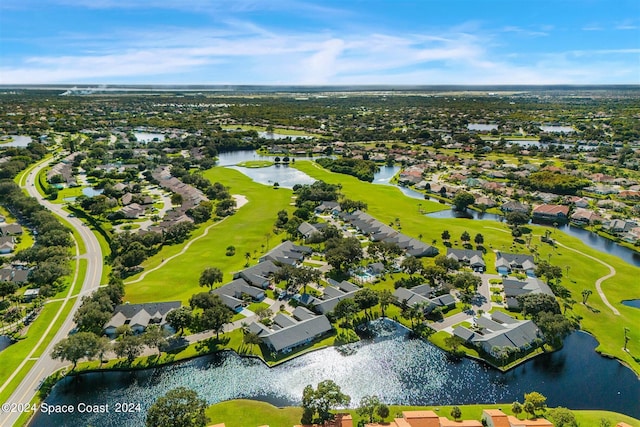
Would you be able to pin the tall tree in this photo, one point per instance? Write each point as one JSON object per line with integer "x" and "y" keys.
{"x": 216, "y": 317}
{"x": 537, "y": 400}
{"x": 320, "y": 401}
{"x": 386, "y": 298}
{"x": 180, "y": 407}
{"x": 462, "y": 200}
{"x": 129, "y": 346}
{"x": 210, "y": 276}
{"x": 77, "y": 346}
{"x": 180, "y": 318}
{"x": 367, "y": 407}
{"x": 154, "y": 336}
{"x": 366, "y": 298}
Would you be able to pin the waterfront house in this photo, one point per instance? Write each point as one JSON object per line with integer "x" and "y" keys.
{"x": 288, "y": 332}
{"x": 140, "y": 316}
{"x": 585, "y": 217}
{"x": 513, "y": 288}
{"x": 515, "y": 207}
{"x": 497, "y": 418}
{"x": 499, "y": 331}
{"x": 551, "y": 213}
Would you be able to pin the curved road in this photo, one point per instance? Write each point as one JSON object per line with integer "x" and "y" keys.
{"x": 44, "y": 365}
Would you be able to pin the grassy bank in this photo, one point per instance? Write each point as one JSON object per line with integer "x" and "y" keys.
{"x": 248, "y": 413}
{"x": 247, "y": 230}
{"x": 256, "y": 164}
{"x": 582, "y": 273}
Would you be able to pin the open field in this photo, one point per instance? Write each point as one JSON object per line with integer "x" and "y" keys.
{"x": 597, "y": 318}
{"x": 247, "y": 413}
{"x": 255, "y": 164}
{"x": 281, "y": 131}
{"x": 246, "y": 230}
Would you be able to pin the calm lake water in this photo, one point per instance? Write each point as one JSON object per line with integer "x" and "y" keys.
{"x": 411, "y": 372}
{"x": 557, "y": 129}
{"x": 273, "y": 135}
{"x": 283, "y": 174}
{"x": 632, "y": 303}
{"x": 148, "y": 136}
{"x": 481, "y": 127}
{"x": 92, "y": 192}
{"x": 17, "y": 141}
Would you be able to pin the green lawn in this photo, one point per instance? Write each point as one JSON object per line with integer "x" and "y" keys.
{"x": 250, "y": 413}
{"x": 280, "y": 131}
{"x": 11, "y": 358}
{"x": 246, "y": 230}
{"x": 583, "y": 272}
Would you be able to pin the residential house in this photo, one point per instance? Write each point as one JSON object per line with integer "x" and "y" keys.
{"x": 423, "y": 295}
{"x": 426, "y": 419}
{"x": 259, "y": 275}
{"x": 307, "y": 230}
{"x": 513, "y": 288}
{"x": 468, "y": 257}
{"x": 486, "y": 201}
{"x": 140, "y": 316}
{"x": 377, "y": 231}
{"x": 585, "y": 217}
{"x": 499, "y": 331}
{"x": 497, "y": 418}
{"x": 7, "y": 244}
{"x": 619, "y": 226}
{"x": 10, "y": 229}
{"x": 506, "y": 263}
{"x": 132, "y": 211}
{"x": 515, "y": 207}
{"x": 288, "y": 332}
{"x": 30, "y": 294}
{"x": 287, "y": 253}
{"x": 332, "y": 295}
{"x": 551, "y": 213}
{"x": 328, "y": 206}
{"x": 233, "y": 292}
{"x": 15, "y": 273}
{"x": 376, "y": 268}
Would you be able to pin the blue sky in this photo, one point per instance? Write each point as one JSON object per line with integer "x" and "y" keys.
{"x": 320, "y": 42}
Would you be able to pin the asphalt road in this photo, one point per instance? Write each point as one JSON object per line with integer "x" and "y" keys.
{"x": 44, "y": 365}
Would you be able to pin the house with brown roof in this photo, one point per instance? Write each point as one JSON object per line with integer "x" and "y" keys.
{"x": 553, "y": 213}
{"x": 497, "y": 418}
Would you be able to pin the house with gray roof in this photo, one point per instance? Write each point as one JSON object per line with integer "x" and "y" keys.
{"x": 513, "y": 288}
{"x": 287, "y": 253}
{"x": 423, "y": 295}
{"x": 498, "y": 331}
{"x": 232, "y": 293}
{"x": 506, "y": 263}
{"x": 328, "y": 206}
{"x": 259, "y": 275}
{"x": 468, "y": 257}
{"x": 377, "y": 231}
{"x": 10, "y": 229}
{"x": 288, "y": 332}
{"x": 140, "y": 316}
{"x": 332, "y": 295}
{"x": 14, "y": 273}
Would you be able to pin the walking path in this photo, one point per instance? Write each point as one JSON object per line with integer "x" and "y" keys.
{"x": 612, "y": 272}
{"x": 240, "y": 201}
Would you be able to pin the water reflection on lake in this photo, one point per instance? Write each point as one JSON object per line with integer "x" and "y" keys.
{"x": 16, "y": 141}
{"x": 409, "y": 371}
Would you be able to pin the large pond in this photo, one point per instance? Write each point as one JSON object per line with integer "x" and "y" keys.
{"x": 284, "y": 175}
{"x": 146, "y": 137}
{"x": 16, "y": 141}
{"x": 273, "y": 135}
{"x": 408, "y": 371}
{"x": 557, "y": 129}
{"x": 384, "y": 175}
{"x": 481, "y": 127}
{"x": 588, "y": 238}
{"x": 632, "y": 303}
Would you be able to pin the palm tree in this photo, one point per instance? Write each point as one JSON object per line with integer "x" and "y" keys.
{"x": 585, "y": 295}
{"x": 385, "y": 298}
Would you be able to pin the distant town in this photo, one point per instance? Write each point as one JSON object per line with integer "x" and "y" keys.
{"x": 145, "y": 229}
